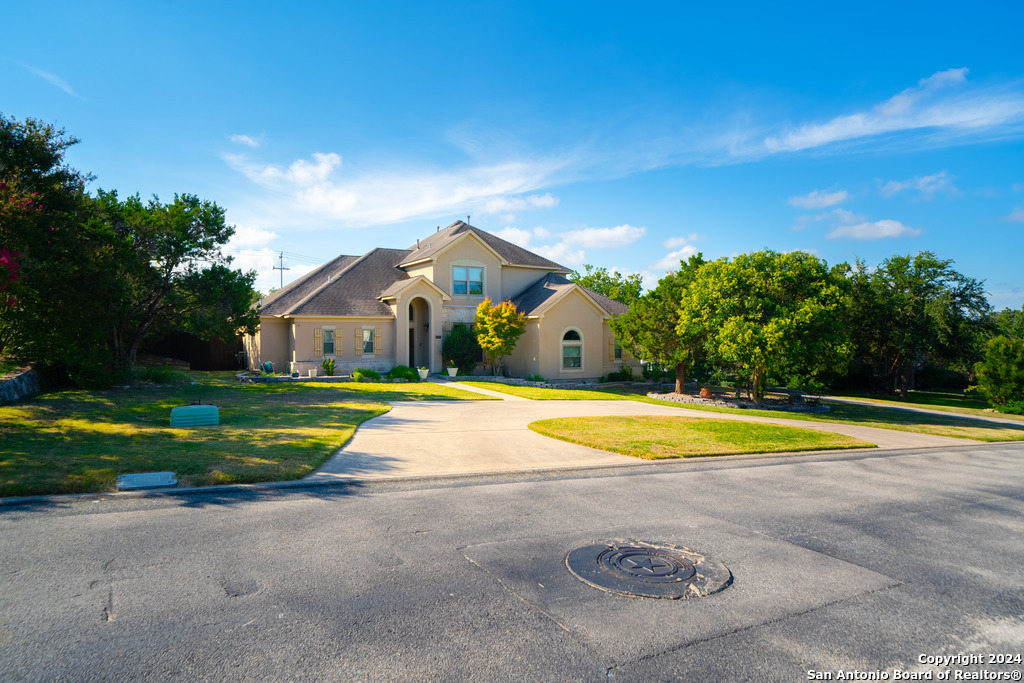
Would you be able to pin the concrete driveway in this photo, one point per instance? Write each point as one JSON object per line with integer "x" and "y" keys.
{"x": 463, "y": 437}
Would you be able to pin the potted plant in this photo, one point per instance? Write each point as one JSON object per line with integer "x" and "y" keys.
{"x": 424, "y": 371}
{"x": 453, "y": 369}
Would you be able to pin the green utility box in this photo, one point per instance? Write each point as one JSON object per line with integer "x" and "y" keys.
{"x": 195, "y": 416}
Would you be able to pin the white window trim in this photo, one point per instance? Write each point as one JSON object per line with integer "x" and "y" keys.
{"x": 483, "y": 279}
{"x": 334, "y": 340}
{"x": 561, "y": 349}
{"x": 371, "y": 342}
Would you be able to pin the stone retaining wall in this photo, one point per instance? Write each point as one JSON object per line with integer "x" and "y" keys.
{"x": 17, "y": 386}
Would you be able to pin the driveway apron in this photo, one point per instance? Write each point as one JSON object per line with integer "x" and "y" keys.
{"x": 430, "y": 438}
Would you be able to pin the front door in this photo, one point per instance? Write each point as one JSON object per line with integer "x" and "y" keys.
{"x": 412, "y": 347}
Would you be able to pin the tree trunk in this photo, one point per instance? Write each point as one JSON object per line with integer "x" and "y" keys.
{"x": 680, "y": 378}
{"x": 906, "y": 379}
{"x": 756, "y": 391}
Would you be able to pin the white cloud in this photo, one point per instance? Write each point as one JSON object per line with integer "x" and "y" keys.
{"x": 819, "y": 199}
{"x": 53, "y": 80}
{"x": 515, "y": 236}
{"x": 676, "y": 242}
{"x": 1016, "y": 216}
{"x": 928, "y": 185}
{"x": 563, "y": 253}
{"x": 511, "y": 204}
{"x": 318, "y": 188}
{"x": 598, "y": 238}
{"x": 569, "y": 249}
{"x": 671, "y": 260}
{"x": 248, "y": 237}
{"x": 925, "y": 106}
{"x": 245, "y": 140}
{"x": 873, "y": 230}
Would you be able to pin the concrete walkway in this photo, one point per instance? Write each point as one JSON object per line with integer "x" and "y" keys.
{"x": 428, "y": 438}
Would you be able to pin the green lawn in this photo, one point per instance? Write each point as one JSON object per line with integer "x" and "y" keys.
{"x": 541, "y": 394}
{"x": 654, "y": 438}
{"x": 878, "y": 416}
{"x": 937, "y": 400}
{"x": 79, "y": 441}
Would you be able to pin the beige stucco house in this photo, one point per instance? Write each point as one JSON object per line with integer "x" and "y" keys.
{"x": 392, "y": 307}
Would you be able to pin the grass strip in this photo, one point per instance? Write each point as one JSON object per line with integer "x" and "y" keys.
{"x": 79, "y": 441}
{"x": 657, "y": 437}
{"x": 880, "y": 416}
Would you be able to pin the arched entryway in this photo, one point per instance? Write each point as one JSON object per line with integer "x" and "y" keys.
{"x": 419, "y": 333}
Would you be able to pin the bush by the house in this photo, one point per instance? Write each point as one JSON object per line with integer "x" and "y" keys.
{"x": 461, "y": 348}
{"x": 359, "y": 374}
{"x": 328, "y": 366}
{"x": 403, "y": 372}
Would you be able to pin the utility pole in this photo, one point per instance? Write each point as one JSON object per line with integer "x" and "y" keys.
{"x": 280, "y": 257}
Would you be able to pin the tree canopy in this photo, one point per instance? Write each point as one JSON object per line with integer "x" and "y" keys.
{"x": 916, "y": 308}
{"x": 94, "y": 275}
{"x": 650, "y": 329}
{"x": 612, "y": 284}
{"x": 767, "y": 313}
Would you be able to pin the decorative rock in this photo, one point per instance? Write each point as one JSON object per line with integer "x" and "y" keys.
{"x": 17, "y": 386}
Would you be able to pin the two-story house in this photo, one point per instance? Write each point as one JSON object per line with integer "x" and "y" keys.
{"x": 392, "y": 307}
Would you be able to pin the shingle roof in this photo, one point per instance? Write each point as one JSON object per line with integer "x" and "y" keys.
{"x": 543, "y": 293}
{"x": 352, "y": 290}
{"x": 515, "y": 255}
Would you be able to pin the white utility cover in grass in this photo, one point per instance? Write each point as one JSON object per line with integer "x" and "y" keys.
{"x": 195, "y": 416}
{"x": 146, "y": 480}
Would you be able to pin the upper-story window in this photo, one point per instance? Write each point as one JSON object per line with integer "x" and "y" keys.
{"x": 466, "y": 280}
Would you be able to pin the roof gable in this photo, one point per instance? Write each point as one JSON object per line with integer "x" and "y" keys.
{"x": 508, "y": 253}
{"x": 549, "y": 290}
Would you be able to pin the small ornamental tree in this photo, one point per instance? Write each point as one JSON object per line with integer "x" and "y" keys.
{"x": 498, "y": 328}
{"x": 1001, "y": 373}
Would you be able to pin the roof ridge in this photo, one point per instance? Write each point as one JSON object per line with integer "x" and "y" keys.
{"x": 302, "y": 279}
{"x": 306, "y": 299}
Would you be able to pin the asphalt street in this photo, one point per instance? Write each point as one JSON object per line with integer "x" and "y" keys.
{"x": 861, "y": 561}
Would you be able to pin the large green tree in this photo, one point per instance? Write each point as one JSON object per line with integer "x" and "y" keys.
{"x": 650, "y": 329}
{"x": 767, "y": 314}
{"x": 612, "y": 284}
{"x": 94, "y": 274}
{"x": 172, "y": 272}
{"x": 63, "y": 271}
{"x": 911, "y": 309}
{"x": 1009, "y": 322}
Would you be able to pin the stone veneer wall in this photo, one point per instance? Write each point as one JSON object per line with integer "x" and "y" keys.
{"x": 17, "y": 386}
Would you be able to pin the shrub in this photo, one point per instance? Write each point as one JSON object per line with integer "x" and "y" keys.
{"x": 162, "y": 375}
{"x": 328, "y": 366}
{"x": 1012, "y": 408}
{"x": 1001, "y": 373}
{"x": 357, "y": 376}
{"x": 403, "y": 372}
{"x": 365, "y": 372}
{"x": 460, "y": 347}
{"x": 625, "y": 374}
{"x": 536, "y": 378}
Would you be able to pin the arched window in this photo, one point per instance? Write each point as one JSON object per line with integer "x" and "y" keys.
{"x": 572, "y": 350}
{"x": 412, "y": 312}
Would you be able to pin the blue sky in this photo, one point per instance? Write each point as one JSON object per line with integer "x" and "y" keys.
{"x": 624, "y": 136}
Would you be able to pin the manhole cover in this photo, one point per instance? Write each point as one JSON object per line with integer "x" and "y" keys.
{"x": 650, "y": 570}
